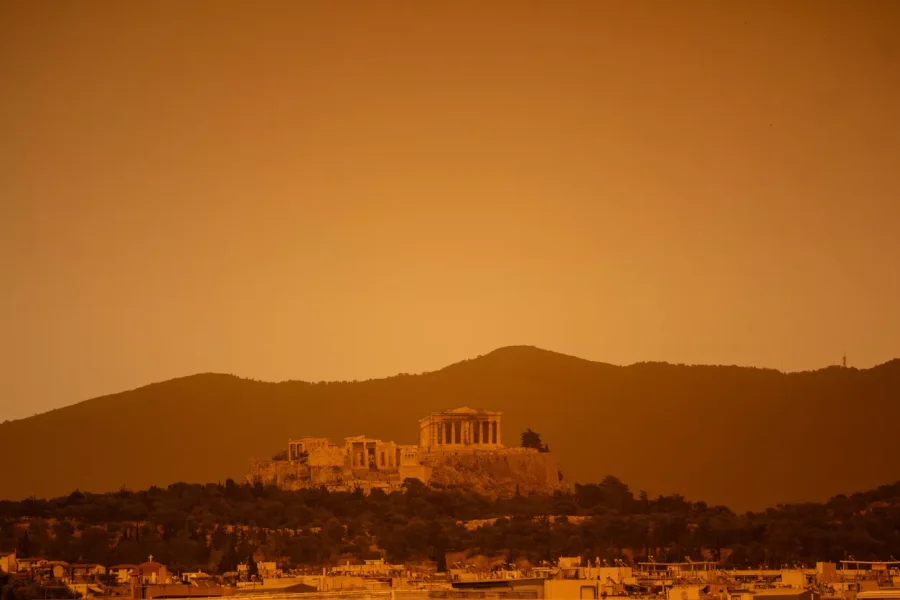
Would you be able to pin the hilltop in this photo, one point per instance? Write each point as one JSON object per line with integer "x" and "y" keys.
{"x": 739, "y": 436}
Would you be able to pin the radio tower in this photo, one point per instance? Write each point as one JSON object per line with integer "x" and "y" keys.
{"x": 845, "y": 361}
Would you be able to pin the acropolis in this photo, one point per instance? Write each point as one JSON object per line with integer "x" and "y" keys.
{"x": 455, "y": 446}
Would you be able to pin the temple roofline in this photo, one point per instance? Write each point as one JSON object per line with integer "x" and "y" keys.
{"x": 463, "y": 411}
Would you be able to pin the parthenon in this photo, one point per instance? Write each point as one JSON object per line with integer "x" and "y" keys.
{"x": 460, "y": 427}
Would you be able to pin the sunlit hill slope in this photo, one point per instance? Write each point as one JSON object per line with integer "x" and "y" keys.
{"x": 739, "y": 436}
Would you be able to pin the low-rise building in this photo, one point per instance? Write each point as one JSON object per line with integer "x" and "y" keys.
{"x": 85, "y": 570}
{"x": 152, "y": 572}
{"x": 8, "y": 562}
{"x": 123, "y": 572}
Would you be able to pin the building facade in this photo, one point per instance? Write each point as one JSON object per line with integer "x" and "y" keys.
{"x": 460, "y": 427}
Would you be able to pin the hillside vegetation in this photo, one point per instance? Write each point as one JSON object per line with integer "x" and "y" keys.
{"x": 743, "y": 437}
{"x": 216, "y": 526}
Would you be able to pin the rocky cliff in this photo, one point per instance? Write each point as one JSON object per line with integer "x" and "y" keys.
{"x": 496, "y": 473}
{"x": 489, "y": 472}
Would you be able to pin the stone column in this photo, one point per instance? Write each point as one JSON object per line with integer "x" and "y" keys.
{"x": 452, "y": 432}
{"x": 498, "y": 433}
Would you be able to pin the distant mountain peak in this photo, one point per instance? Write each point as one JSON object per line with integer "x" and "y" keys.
{"x": 532, "y": 354}
{"x": 525, "y": 350}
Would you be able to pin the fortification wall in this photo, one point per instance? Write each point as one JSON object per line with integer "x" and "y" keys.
{"x": 285, "y": 474}
{"x": 326, "y": 456}
{"x": 294, "y": 476}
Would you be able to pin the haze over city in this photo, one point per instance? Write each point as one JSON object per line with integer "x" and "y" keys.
{"x": 496, "y": 299}
{"x": 333, "y": 192}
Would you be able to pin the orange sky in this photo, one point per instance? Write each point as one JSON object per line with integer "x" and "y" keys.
{"x": 340, "y": 190}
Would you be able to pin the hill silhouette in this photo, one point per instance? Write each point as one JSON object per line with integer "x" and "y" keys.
{"x": 743, "y": 437}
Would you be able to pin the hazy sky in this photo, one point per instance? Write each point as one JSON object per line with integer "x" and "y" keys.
{"x": 340, "y": 190}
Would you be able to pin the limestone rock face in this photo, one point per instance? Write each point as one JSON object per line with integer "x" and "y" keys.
{"x": 493, "y": 473}
{"x": 496, "y": 473}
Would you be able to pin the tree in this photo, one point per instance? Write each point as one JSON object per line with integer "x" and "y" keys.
{"x": 414, "y": 487}
{"x": 532, "y": 439}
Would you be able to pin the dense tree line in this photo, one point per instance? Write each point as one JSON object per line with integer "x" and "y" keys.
{"x": 216, "y": 526}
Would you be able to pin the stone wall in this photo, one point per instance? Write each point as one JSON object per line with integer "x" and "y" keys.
{"x": 291, "y": 475}
{"x": 326, "y": 456}
{"x": 285, "y": 474}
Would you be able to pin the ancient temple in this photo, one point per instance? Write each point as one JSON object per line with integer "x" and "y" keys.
{"x": 460, "y": 428}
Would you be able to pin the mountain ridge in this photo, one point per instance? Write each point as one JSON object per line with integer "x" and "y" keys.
{"x": 892, "y": 363}
{"x": 704, "y": 430}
